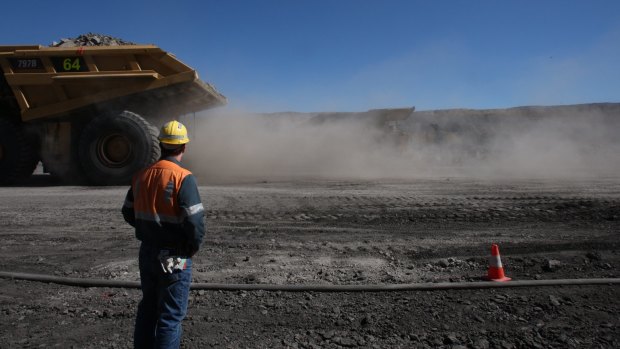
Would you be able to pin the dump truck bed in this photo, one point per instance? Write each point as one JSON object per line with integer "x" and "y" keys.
{"x": 49, "y": 81}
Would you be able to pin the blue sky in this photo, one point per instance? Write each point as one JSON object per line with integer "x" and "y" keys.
{"x": 354, "y": 55}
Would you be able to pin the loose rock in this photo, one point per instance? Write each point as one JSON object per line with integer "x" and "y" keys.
{"x": 91, "y": 39}
{"x": 552, "y": 265}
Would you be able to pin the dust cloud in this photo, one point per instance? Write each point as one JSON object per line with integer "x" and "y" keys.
{"x": 237, "y": 145}
{"x": 518, "y": 142}
{"x": 570, "y": 145}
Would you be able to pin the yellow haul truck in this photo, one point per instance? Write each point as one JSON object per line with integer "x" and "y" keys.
{"x": 90, "y": 113}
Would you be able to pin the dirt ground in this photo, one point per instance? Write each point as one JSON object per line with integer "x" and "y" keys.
{"x": 328, "y": 232}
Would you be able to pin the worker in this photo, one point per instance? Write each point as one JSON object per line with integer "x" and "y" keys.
{"x": 164, "y": 207}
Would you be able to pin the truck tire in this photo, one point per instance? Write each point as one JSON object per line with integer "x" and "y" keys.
{"x": 18, "y": 152}
{"x": 113, "y": 147}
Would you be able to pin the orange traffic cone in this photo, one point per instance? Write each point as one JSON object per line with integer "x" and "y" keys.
{"x": 496, "y": 270}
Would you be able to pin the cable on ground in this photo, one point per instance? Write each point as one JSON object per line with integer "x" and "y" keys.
{"x": 80, "y": 282}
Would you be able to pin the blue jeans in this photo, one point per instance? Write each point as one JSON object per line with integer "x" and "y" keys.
{"x": 164, "y": 302}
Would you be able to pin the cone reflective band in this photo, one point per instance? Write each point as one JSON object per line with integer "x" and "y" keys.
{"x": 496, "y": 269}
{"x": 495, "y": 261}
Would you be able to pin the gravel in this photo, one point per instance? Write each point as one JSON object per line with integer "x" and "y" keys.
{"x": 90, "y": 39}
{"x": 68, "y": 230}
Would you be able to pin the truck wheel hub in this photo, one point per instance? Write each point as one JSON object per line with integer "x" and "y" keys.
{"x": 114, "y": 150}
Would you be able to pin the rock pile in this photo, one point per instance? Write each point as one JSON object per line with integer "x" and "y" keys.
{"x": 91, "y": 39}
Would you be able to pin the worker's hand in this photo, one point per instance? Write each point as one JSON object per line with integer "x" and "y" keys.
{"x": 167, "y": 264}
{"x": 171, "y": 263}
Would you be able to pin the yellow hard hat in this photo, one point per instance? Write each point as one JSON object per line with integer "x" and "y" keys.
{"x": 173, "y": 132}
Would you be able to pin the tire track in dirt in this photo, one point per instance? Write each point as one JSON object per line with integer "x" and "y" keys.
{"x": 456, "y": 209}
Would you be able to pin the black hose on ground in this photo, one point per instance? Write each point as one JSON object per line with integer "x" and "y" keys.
{"x": 316, "y": 288}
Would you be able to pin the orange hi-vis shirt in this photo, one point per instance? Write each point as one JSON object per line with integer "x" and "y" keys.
{"x": 154, "y": 192}
{"x": 164, "y": 206}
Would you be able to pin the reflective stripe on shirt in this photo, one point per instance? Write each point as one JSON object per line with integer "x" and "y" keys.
{"x": 195, "y": 209}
